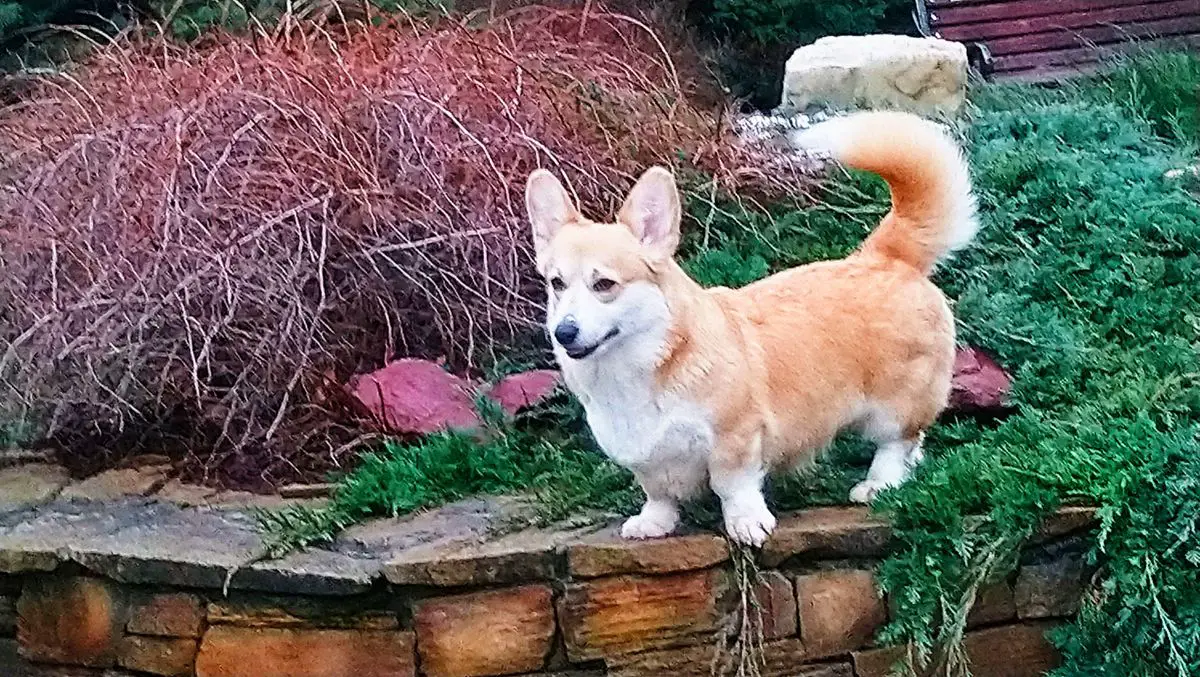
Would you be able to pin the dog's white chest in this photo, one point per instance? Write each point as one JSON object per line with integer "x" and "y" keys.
{"x": 638, "y": 426}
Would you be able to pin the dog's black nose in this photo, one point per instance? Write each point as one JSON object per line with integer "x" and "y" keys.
{"x": 567, "y": 331}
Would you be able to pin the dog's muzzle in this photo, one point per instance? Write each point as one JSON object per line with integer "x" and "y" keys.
{"x": 578, "y": 352}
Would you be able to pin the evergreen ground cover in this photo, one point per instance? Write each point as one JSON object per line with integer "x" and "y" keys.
{"x": 1085, "y": 282}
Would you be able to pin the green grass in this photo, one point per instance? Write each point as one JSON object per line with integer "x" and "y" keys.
{"x": 1085, "y": 282}
{"x": 554, "y": 465}
{"x": 1159, "y": 87}
{"x": 191, "y": 19}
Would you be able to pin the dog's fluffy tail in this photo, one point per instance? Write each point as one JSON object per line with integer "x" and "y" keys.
{"x": 933, "y": 208}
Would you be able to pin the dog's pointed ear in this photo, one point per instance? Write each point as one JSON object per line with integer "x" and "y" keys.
{"x": 652, "y": 212}
{"x": 549, "y": 206}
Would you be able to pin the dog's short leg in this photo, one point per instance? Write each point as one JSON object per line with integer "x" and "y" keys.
{"x": 891, "y": 466}
{"x": 666, "y": 483}
{"x": 659, "y": 515}
{"x": 739, "y": 485}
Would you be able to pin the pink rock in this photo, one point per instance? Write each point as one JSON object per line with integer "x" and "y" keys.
{"x": 979, "y": 382}
{"x": 413, "y": 396}
{"x": 518, "y": 391}
{"x": 417, "y": 396}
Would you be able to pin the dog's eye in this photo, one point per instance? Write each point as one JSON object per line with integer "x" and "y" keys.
{"x": 603, "y": 284}
{"x": 557, "y": 284}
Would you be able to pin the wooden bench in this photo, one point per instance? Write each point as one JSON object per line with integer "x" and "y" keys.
{"x": 1038, "y": 39}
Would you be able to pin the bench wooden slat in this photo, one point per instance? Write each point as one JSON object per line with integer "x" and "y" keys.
{"x": 1071, "y": 20}
{"x": 1030, "y": 38}
{"x": 1007, "y": 67}
{"x": 1095, "y": 35}
{"x": 955, "y": 13}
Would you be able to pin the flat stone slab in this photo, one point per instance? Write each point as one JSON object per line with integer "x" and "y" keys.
{"x": 144, "y": 540}
{"x": 472, "y": 519}
{"x": 118, "y": 483}
{"x": 319, "y": 490}
{"x": 30, "y": 484}
{"x": 1067, "y": 520}
{"x": 188, "y": 495}
{"x": 827, "y": 533}
{"x": 185, "y": 495}
{"x": 479, "y": 558}
{"x": 41, "y": 538}
{"x": 529, "y": 555}
{"x": 606, "y": 554}
{"x": 154, "y": 542}
{"x": 314, "y": 572}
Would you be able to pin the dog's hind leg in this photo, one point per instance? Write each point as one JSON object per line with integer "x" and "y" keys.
{"x": 893, "y": 463}
{"x": 897, "y": 425}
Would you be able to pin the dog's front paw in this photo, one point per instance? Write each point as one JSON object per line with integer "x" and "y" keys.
{"x": 647, "y": 526}
{"x": 749, "y": 526}
{"x": 866, "y": 490}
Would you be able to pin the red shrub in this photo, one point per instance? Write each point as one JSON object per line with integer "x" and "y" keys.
{"x": 197, "y": 240}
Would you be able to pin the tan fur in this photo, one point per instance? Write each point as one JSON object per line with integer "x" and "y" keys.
{"x": 780, "y": 366}
{"x": 797, "y": 352}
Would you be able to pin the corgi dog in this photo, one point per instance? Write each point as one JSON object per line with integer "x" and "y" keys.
{"x": 686, "y": 386}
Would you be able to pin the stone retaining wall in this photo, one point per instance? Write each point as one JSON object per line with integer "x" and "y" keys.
{"x": 135, "y": 588}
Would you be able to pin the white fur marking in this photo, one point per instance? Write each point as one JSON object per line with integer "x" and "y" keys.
{"x": 658, "y": 518}
{"x": 748, "y": 520}
{"x": 891, "y": 467}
